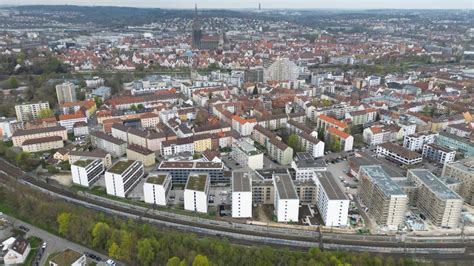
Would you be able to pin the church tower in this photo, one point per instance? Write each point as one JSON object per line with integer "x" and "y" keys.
{"x": 197, "y": 32}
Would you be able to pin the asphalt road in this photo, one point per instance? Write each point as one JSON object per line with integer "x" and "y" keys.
{"x": 55, "y": 243}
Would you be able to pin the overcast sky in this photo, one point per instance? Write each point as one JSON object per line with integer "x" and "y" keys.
{"x": 406, "y": 4}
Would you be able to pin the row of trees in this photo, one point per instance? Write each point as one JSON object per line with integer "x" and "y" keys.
{"x": 145, "y": 244}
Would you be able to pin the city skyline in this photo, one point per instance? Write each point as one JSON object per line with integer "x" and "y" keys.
{"x": 265, "y": 4}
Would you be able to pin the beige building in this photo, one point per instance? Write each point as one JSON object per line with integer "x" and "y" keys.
{"x": 106, "y": 158}
{"x": 138, "y": 153}
{"x": 21, "y": 135}
{"x": 386, "y": 202}
{"x": 276, "y": 149}
{"x": 149, "y": 120}
{"x": 42, "y": 144}
{"x": 435, "y": 199}
{"x": 29, "y": 111}
{"x": 463, "y": 171}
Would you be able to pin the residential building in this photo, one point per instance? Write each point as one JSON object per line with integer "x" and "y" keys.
{"x": 122, "y": 177}
{"x": 245, "y": 153}
{"x": 398, "y": 154}
{"x": 105, "y": 157}
{"x": 116, "y": 147}
{"x": 385, "y": 201}
{"x": 68, "y": 120}
{"x": 243, "y": 125}
{"x": 324, "y": 121}
{"x": 196, "y": 192}
{"x": 345, "y": 140}
{"x": 415, "y": 142}
{"x": 86, "y": 172}
{"x": 180, "y": 170}
{"x": 138, "y": 153}
{"x": 241, "y": 195}
{"x": 6, "y": 127}
{"x": 68, "y": 257}
{"x": 311, "y": 144}
{"x": 435, "y": 199}
{"x": 149, "y": 120}
{"x": 42, "y": 144}
{"x": 66, "y": 92}
{"x": 157, "y": 187}
{"x": 16, "y": 250}
{"x": 306, "y": 166}
{"x": 456, "y": 143}
{"x": 377, "y": 134}
{"x": 437, "y": 153}
{"x": 332, "y": 202}
{"x": 286, "y": 202}
{"x": 19, "y": 136}
{"x": 362, "y": 117}
{"x": 30, "y": 111}
{"x": 461, "y": 130}
{"x": 102, "y": 92}
{"x": 463, "y": 171}
{"x": 177, "y": 146}
{"x": 80, "y": 129}
{"x": 202, "y": 142}
{"x": 281, "y": 69}
{"x": 276, "y": 149}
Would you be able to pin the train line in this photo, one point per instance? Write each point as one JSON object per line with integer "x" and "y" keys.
{"x": 376, "y": 244}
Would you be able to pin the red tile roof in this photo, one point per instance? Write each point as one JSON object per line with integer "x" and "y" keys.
{"x": 337, "y": 132}
{"x": 333, "y": 121}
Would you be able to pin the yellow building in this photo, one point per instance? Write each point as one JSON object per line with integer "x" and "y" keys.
{"x": 202, "y": 142}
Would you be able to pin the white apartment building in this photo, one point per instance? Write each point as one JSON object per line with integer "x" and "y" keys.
{"x": 196, "y": 192}
{"x": 332, "y": 202}
{"x": 245, "y": 153}
{"x": 385, "y": 201}
{"x": 241, "y": 195}
{"x": 305, "y": 166}
{"x": 157, "y": 187}
{"x": 281, "y": 69}
{"x": 287, "y": 202}
{"x": 438, "y": 153}
{"x": 435, "y": 199}
{"x": 415, "y": 142}
{"x": 66, "y": 92}
{"x": 86, "y": 172}
{"x": 398, "y": 154}
{"x": 122, "y": 177}
{"x": 116, "y": 147}
{"x": 29, "y": 111}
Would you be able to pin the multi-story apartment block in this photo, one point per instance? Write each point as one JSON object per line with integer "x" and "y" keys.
{"x": 66, "y": 92}
{"x": 105, "y": 157}
{"x": 246, "y": 154}
{"x": 311, "y": 144}
{"x": 362, "y": 117}
{"x": 19, "y": 136}
{"x": 276, "y": 149}
{"x": 385, "y": 201}
{"x": 86, "y": 172}
{"x": 177, "y": 146}
{"x": 122, "y": 177}
{"x": 241, "y": 195}
{"x": 196, "y": 192}
{"x": 462, "y": 170}
{"x": 180, "y": 170}
{"x": 376, "y": 135}
{"x": 324, "y": 122}
{"x": 435, "y": 199}
{"x": 460, "y": 130}
{"x": 456, "y": 143}
{"x": 306, "y": 166}
{"x": 30, "y": 111}
{"x": 438, "y": 153}
{"x": 116, "y": 147}
{"x": 42, "y": 144}
{"x": 286, "y": 199}
{"x": 157, "y": 187}
{"x": 138, "y": 153}
{"x": 415, "y": 142}
{"x": 398, "y": 154}
{"x": 346, "y": 140}
{"x": 332, "y": 202}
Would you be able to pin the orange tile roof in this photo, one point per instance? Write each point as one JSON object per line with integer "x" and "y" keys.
{"x": 337, "y": 132}
{"x": 333, "y": 121}
{"x": 76, "y": 115}
{"x": 376, "y": 129}
{"x": 243, "y": 120}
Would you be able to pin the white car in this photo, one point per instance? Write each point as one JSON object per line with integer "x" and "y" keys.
{"x": 110, "y": 262}
{"x": 44, "y": 245}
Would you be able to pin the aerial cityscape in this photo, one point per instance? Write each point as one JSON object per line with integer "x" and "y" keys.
{"x": 240, "y": 134}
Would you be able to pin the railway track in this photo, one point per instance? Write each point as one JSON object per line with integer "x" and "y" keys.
{"x": 376, "y": 244}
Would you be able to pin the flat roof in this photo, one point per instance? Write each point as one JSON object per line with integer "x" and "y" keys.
{"x": 284, "y": 186}
{"x": 197, "y": 181}
{"x": 189, "y": 165}
{"x": 391, "y": 170}
{"x": 241, "y": 182}
{"x": 82, "y": 163}
{"x": 383, "y": 180}
{"x": 157, "y": 178}
{"x": 439, "y": 188}
{"x": 66, "y": 257}
{"x": 466, "y": 165}
{"x": 311, "y": 163}
{"x": 401, "y": 151}
{"x": 120, "y": 166}
{"x": 330, "y": 186}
